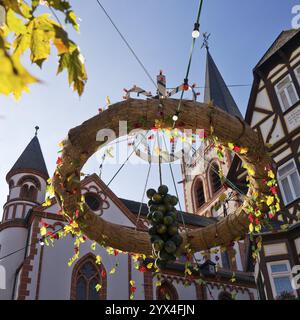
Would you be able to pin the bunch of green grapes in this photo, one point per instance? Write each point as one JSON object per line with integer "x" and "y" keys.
{"x": 164, "y": 234}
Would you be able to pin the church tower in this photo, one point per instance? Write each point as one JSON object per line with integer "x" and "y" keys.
{"x": 202, "y": 185}
{"x": 27, "y": 182}
{"x": 204, "y": 191}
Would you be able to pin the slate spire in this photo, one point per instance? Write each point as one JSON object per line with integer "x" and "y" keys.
{"x": 216, "y": 89}
{"x": 31, "y": 159}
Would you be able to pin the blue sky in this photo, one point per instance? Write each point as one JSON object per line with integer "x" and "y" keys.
{"x": 160, "y": 32}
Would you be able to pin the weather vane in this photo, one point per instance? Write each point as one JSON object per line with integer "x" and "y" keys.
{"x": 205, "y": 40}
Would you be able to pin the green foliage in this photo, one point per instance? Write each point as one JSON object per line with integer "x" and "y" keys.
{"x": 38, "y": 34}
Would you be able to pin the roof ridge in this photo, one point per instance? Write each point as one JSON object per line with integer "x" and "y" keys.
{"x": 273, "y": 48}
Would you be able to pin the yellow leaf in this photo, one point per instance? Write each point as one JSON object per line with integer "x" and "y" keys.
{"x": 244, "y": 150}
{"x": 270, "y": 200}
{"x": 14, "y": 78}
{"x": 258, "y": 213}
{"x": 271, "y": 174}
{"x": 258, "y": 228}
{"x": 93, "y": 246}
{"x": 98, "y": 259}
{"x": 158, "y": 283}
{"x": 98, "y": 287}
{"x": 110, "y": 251}
{"x": 188, "y": 271}
{"x": 231, "y": 146}
{"x": 132, "y": 283}
{"x": 14, "y": 23}
{"x": 277, "y": 206}
{"x": 47, "y": 202}
{"x": 43, "y": 231}
{"x": 149, "y": 265}
{"x": 112, "y": 271}
{"x": 251, "y": 228}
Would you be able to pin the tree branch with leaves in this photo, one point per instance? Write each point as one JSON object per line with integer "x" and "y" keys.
{"x": 23, "y": 29}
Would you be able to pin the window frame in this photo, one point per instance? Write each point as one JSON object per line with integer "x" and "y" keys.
{"x": 297, "y": 73}
{"x": 76, "y": 274}
{"x": 280, "y": 178}
{"x": 286, "y": 92}
{"x": 274, "y": 275}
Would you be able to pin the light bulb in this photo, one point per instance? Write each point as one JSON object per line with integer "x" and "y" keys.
{"x": 195, "y": 34}
{"x": 175, "y": 117}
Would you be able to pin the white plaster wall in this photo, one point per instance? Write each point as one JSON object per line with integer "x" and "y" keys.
{"x": 11, "y": 239}
{"x": 257, "y": 117}
{"x": 114, "y": 215}
{"x": 138, "y": 277}
{"x": 277, "y": 134}
{"x": 56, "y": 275}
{"x": 263, "y": 101}
{"x": 185, "y": 293}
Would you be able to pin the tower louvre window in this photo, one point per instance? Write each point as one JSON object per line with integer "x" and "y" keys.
{"x": 289, "y": 181}
{"x": 28, "y": 192}
{"x": 215, "y": 178}
{"x": 200, "y": 194}
{"x": 286, "y": 93}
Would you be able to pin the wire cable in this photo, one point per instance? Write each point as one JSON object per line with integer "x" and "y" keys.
{"x": 190, "y": 57}
{"x": 14, "y": 252}
{"x": 127, "y": 43}
{"x": 124, "y": 163}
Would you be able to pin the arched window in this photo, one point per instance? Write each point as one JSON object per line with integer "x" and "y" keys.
{"x": 32, "y": 193}
{"x": 28, "y": 193}
{"x": 31, "y": 180}
{"x": 200, "y": 197}
{"x": 86, "y": 276}
{"x": 224, "y": 295}
{"x": 166, "y": 292}
{"x": 215, "y": 180}
{"x": 24, "y": 191}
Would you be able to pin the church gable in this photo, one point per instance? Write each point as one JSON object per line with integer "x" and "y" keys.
{"x": 101, "y": 200}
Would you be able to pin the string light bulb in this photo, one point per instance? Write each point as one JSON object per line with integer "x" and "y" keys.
{"x": 196, "y": 32}
{"x": 175, "y": 117}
